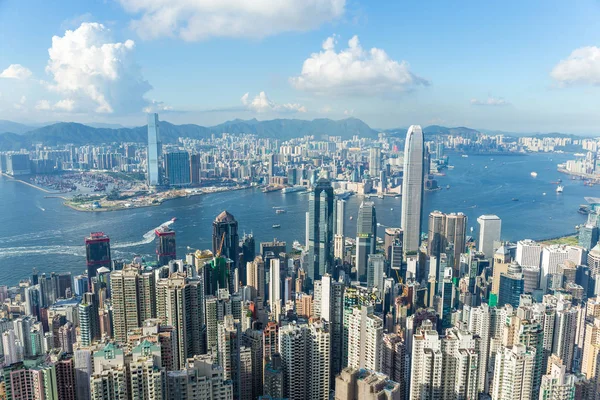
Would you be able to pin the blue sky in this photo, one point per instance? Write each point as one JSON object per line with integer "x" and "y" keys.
{"x": 512, "y": 65}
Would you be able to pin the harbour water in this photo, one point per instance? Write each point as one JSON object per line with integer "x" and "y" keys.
{"x": 42, "y": 233}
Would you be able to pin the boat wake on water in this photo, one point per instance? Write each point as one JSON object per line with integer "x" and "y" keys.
{"x": 147, "y": 238}
{"x": 78, "y": 251}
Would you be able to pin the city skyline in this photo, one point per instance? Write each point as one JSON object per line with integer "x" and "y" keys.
{"x": 554, "y": 89}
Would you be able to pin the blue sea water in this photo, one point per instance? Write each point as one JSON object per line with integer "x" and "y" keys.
{"x": 39, "y": 232}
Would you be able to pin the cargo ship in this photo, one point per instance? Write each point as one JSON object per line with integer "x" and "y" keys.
{"x": 293, "y": 189}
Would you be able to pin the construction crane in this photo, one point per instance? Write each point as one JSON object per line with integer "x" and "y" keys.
{"x": 220, "y": 249}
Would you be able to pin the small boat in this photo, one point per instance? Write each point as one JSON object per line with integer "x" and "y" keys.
{"x": 450, "y": 166}
{"x": 514, "y": 199}
{"x": 276, "y": 226}
{"x": 560, "y": 189}
{"x": 351, "y": 218}
{"x": 465, "y": 156}
{"x": 279, "y": 211}
{"x": 173, "y": 219}
{"x": 533, "y": 174}
{"x": 543, "y": 194}
{"x": 447, "y": 186}
{"x": 392, "y": 209}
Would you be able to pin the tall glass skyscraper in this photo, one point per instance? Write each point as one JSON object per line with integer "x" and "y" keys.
{"x": 153, "y": 150}
{"x": 366, "y": 237}
{"x": 412, "y": 189}
{"x": 320, "y": 230}
{"x": 178, "y": 168}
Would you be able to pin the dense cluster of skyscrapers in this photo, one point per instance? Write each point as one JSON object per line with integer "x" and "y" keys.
{"x": 374, "y": 314}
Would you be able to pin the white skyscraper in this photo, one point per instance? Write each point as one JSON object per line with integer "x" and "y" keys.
{"x": 558, "y": 385}
{"x": 153, "y": 150}
{"x": 412, "y": 189}
{"x": 374, "y": 162}
{"x": 275, "y": 287}
{"x": 552, "y": 257}
{"x": 565, "y": 327}
{"x": 513, "y": 373}
{"x": 490, "y": 227}
{"x": 529, "y": 253}
{"x": 479, "y": 324}
{"x": 340, "y": 216}
{"x": 365, "y": 336}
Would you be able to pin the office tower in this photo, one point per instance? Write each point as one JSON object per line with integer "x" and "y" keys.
{"x": 225, "y": 238}
{"x": 274, "y": 377}
{"x": 276, "y": 247}
{"x": 565, "y": 328}
{"x": 22, "y": 327}
{"x": 513, "y": 373}
{"x": 83, "y": 369}
{"x": 412, "y": 189}
{"x": 252, "y": 339}
{"x": 366, "y": 237}
{"x": 339, "y": 246}
{"x": 365, "y": 335}
{"x": 178, "y": 168}
{"x": 552, "y": 257}
{"x": 166, "y": 249}
{"x": 455, "y": 231}
{"x": 255, "y": 276}
{"x": 247, "y": 254}
{"x": 199, "y": 379}
{"x": 444, "y": 366}
{"x": 511, "y": 286}
{"x": 180, "y": 304}
{"x": 490, "y": 227}
{"x": 340, "y": 217}
{"x": 448, "y": 294}
{"x": 275, "y": 288}
{"x": 375, "y": 273}
{"x": 125, "y": 300}
{"x": 89, "y": 323}
{"x": 531, "y": 278}
{"x": 374, "y": 161}
{"x": 529, "y": 253}
{"x": 195, "y": 168}
{"x": 331, "y": 310}
{"x": 396, "y": 362}
{"x": 307, "y": 230}
{"x": 153, "y": 151}
{"x": 354, "y": 384}
{"x": 304, "y": 353}
{"x": 436, "y": 234}
{"x": 97, "y": 249}
{"x": 320, "y": 230}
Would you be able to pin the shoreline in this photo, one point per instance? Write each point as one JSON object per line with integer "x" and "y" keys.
{"x": 123, "y": 208}
{"x": 67, "y": 200}
{"x": 594, "y": 178}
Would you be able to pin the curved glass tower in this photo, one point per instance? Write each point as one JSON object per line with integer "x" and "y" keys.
{"x": 412, "y": 189}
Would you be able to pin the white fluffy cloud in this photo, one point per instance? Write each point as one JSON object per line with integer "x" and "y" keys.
{"x": 15, "y": 71}
{"x": 261, "y": 103}
{"x": 354, "y": 71}
{"x": 94, "y": 73}
{"x": 582, "y": 66}
{"x": 43, "y": 105}
{"x": 201, "y": 19}
{"x": 490, "y": 101}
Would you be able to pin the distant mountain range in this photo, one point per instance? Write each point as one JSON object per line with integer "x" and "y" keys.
{"x": 14, "y": 136}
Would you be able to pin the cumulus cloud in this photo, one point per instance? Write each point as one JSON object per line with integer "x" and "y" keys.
{"x": 261, "y": 103}
{"x": 202, "y": 19}
{"x": 157, "y": 106}
{"x": 490, "y": 101}
{"x": 354, "y": 71}
{"x": 43, "y": 105}
{"x": 21, "y": 104}
{"x": 16, "y": 71}
{"x": 582, "y": 66}
{"x": 92, "y": 72}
